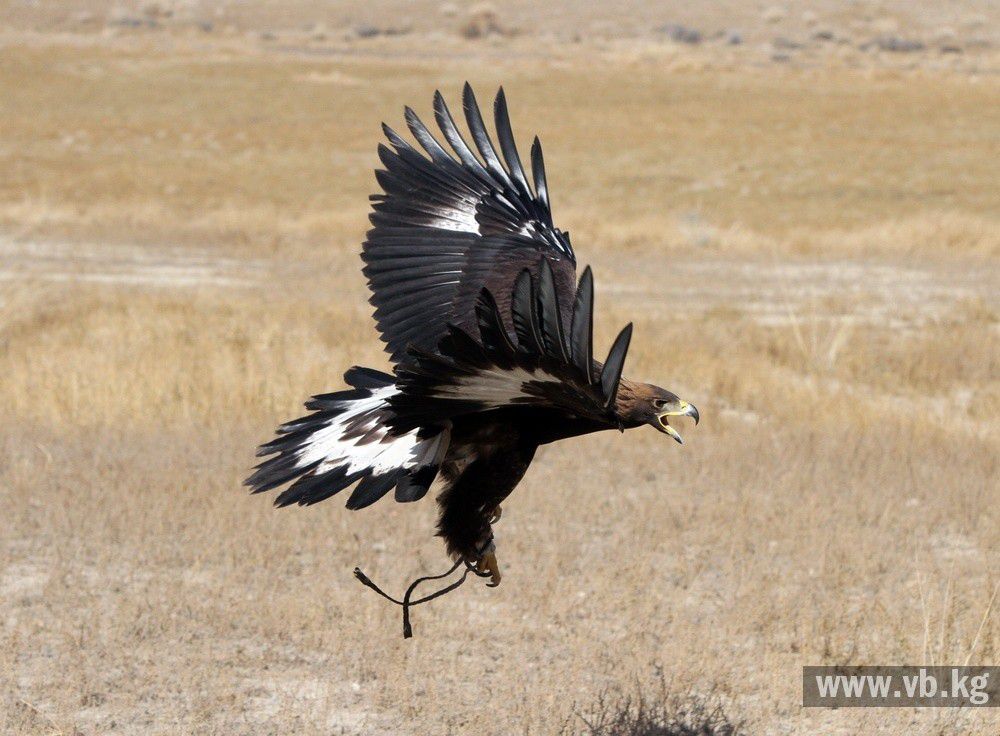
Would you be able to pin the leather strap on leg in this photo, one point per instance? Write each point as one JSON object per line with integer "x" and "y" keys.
{"x": 406, "y": 603}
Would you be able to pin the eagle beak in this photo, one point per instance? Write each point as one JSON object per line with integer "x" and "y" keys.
{"x": 684, "y": 409}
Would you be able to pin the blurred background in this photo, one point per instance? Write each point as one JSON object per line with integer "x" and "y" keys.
{"x": 798, "y": 205}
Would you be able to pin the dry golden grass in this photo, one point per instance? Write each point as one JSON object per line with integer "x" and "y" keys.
{"x": 809, "y": 256}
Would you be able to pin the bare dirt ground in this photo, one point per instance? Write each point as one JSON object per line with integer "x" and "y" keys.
{"x": 803, "y": 226}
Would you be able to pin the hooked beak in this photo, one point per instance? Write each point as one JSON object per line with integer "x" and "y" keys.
{"x": 684, "y": 409}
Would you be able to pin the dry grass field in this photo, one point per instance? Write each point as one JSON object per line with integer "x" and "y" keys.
{"x": 809, "y": 250}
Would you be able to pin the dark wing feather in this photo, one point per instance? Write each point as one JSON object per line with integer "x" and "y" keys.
{"x": 538, "y": 175}
{"x": 611, "y": 373}
{"x": 451, "y": 222}
{"x": 491, "y": 327}
{"x": 582, "y": 328}
{"x": 526, "y": 327}
{"x": 426, "y": 140}
{"x": 549, "y": 316}
{"x": 506, "y": 136}
{"x": 447, "y": 124}
{"x": 480, "y": 136}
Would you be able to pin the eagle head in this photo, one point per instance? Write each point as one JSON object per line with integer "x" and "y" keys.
{"x": 644, "y": 403}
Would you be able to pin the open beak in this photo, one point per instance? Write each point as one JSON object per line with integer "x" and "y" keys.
{"x": 684, "y": 409}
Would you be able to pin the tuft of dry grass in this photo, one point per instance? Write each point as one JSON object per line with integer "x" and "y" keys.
{"x": 808, "y": 256}
{"x": 657, "y": 712}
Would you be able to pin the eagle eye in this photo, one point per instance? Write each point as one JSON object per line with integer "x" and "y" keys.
{"x": 659, "y": 403}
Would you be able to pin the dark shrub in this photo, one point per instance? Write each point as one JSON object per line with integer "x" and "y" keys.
{"x": 661, "y": 713}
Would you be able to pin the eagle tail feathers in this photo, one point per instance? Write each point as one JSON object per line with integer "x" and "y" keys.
{"x": 350, "y": 438}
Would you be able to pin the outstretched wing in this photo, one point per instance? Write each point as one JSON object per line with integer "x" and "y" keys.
{"x": 541, "y": 365}
{"x": 450, "y": 224}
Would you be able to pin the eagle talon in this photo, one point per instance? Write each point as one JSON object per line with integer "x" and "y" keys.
{"x": 496, "y": 514}
{"x": 487, "y": 562}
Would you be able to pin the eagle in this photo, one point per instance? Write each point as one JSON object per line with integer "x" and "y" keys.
{"x": 489, "y": 333}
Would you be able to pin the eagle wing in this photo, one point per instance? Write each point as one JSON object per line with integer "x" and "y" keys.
{"x": 449, "y": 224}
{"x": 541, "y": 365}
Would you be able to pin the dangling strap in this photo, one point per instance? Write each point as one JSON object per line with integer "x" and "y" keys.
{"x": 406, "y": 603}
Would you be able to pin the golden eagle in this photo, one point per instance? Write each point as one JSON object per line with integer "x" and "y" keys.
{"x": 490, "y": 337}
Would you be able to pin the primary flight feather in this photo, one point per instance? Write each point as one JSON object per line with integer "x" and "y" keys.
{"x": 489, "y": 332}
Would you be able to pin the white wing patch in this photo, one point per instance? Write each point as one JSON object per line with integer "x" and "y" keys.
{"x": 495, "y": 387}
{"x": 460, "y": 219}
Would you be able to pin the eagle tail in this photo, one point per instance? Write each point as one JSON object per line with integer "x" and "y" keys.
{"x": 348, "y": 438}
